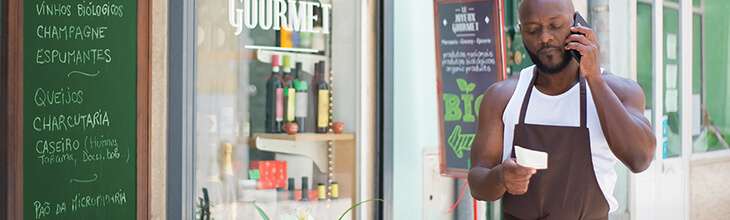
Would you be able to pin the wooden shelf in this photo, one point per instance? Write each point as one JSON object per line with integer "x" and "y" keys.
{"x": 310, "y": 145}
{"x": 308, "y": 136}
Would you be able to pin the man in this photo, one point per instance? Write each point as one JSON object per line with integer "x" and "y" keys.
{"x": 583, "y": 118}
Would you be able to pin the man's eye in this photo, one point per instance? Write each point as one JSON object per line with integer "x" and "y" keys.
{"x": 555, "y": 26}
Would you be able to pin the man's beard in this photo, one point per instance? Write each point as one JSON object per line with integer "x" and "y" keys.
{"x": 544, "y": 68}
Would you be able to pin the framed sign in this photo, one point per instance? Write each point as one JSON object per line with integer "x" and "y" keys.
{"x": 469, "y": 58}
{"x": 78, "y": 118}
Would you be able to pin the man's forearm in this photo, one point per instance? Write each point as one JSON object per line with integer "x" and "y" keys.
{"x": 629, "y": 136}
{"x": 486, "y": 184}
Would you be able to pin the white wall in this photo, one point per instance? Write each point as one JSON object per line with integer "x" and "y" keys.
{"x": 581, "y": 6}
{"x": 415, "y": 106}
{"x": 620, "y": 40}
{"x": 344, "y": 62}
{"x": 620, "y": 57}
{"x": 158, "y": 111}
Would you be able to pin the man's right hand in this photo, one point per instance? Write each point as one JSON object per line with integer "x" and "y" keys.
{"x": 516, "y": 178}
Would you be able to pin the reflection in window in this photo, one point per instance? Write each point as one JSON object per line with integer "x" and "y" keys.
{"x": 645, "y": 56}
{"x": 671, "y": 122}
{"x": 234, "y": 90}
{"x": 711, "y": 119}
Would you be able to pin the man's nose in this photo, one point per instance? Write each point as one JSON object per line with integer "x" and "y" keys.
{"x": 546, "y": 38}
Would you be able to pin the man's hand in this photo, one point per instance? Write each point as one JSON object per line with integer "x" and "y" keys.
{"x": 516, "y": 178}
{"x": 586, "y": 43}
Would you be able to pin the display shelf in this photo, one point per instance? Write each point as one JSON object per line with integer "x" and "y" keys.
{"x": 311, "y": 145}
{"x": 308, "y": 136}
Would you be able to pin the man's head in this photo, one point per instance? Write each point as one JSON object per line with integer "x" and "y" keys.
{"x": 545, "y": 24}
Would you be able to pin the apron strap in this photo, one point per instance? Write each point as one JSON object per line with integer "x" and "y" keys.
{"x": 526, "y": 100}
{"x": 583, "y": 111}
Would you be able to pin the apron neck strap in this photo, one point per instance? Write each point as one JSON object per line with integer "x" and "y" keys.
{"x": 583, "y": 109}
{"x": 526, "y": 99}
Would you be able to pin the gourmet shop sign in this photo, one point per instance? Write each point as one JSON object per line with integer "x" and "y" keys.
{"x": 290, "y": 15}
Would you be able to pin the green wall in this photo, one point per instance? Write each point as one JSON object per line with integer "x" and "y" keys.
{"x": 717, "y": 46}
{"x": 644, "y": 53}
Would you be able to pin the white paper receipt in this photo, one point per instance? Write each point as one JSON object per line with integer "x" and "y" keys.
{"x": 531, "y": 158}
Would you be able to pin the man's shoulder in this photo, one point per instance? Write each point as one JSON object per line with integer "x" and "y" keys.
{"x": 621, "y": 86}
{"x": 499, "y": 93}
{"x": 502, "y": 89}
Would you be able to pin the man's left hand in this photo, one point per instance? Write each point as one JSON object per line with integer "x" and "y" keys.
{"x": 586, "y": 43}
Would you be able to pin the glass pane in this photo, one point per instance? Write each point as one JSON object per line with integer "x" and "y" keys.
{"x": 254, "y": 80}
{"x": 699, "y": 133}
{"x": 645, "y": 56}
{"x": 711, "y": 81}
{"x": 671, "y": 146}
{"x": 222, "y": 85}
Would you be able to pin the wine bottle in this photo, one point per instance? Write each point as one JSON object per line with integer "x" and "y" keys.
{"x": 289, "y": 91}
{"x": 301, "y": 87}
{"x": 305, "y": 188}
{"x": 323, "y": 99}
{"x": 274, "y": 98}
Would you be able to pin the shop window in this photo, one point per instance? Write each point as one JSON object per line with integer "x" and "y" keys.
{"x": 671, "y": 123}
{"x": 711, "y": 95}
{"x": 645, "y": 56}
{"x": 265, "y": 139}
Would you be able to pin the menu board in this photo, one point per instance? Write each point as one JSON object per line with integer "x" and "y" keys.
{"x": 79, "y": 109}
{"x": 469, "y": 58}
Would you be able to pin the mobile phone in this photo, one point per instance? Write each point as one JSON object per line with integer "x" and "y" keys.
{"x": 578, "y": 20}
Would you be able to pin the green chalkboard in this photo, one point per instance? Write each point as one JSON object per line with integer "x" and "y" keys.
{"x": 469, "y": 59}
{"x": 79, "y": 109}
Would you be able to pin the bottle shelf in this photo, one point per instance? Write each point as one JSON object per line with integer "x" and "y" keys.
{"x": 308, "y": 136}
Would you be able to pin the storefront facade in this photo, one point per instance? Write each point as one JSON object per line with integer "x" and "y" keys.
{"x": 208, "y": 136}
{"x": 689, "y": 97}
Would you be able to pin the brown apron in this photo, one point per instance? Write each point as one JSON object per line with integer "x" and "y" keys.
{"x": 568, "y": 189}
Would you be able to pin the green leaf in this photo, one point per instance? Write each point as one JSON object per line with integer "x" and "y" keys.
{"x": 462, "y": 84}
{"x": 356, "y": 205}
{"x": 471, "y": 87}
{"x": 261, "y": 212}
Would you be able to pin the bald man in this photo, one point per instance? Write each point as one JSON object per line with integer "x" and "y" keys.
{"x": 582, "y": 117}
